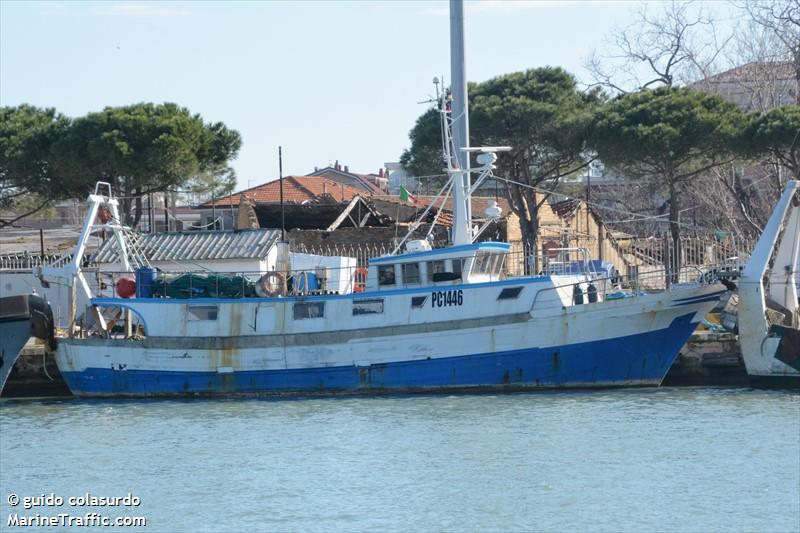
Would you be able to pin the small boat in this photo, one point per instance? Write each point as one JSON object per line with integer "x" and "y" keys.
{"x": 22, "y": 317}
{"x": 768, "y": 308}
{"x": 421, "y": 319}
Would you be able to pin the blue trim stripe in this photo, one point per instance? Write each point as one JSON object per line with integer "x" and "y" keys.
{"x": 713, "y": 297}
{"x": 450, "y": 250}
{"x": 702, "y": 297}
{"x": 126, "y": 302}
{"x": 642, "y": 359}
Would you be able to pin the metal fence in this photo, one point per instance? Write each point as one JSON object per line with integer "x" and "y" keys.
{"x": 24, "y": 262}
{"x": 638, "y": 255}
{"x": 362, "y": 252}
{"x": 633, "y": 257}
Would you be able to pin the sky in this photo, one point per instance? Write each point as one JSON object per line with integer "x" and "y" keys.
{"x": 327, "y": 80}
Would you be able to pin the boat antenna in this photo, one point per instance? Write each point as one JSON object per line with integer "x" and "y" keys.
{"x": 280, "y": 183}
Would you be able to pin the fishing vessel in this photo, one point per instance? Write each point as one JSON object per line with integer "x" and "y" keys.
{"x": 769, "y": 311}
{"x": 420, "y": 319}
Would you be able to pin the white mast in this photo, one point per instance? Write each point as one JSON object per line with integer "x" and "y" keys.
{"x": 462, "y": 233}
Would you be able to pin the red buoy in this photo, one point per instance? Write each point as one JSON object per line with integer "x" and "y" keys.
{"x": 126, "y": 287}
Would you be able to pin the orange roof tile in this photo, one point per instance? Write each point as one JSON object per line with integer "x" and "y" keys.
{"x": 296, "y": 189}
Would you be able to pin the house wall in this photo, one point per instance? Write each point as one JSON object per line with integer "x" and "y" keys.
{"x": 580, "y": 230}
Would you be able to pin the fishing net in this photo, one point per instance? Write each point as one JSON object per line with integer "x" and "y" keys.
{"x": 204, "y": 286}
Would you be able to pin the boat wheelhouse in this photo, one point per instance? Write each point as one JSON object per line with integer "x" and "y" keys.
{"x": 455, "y": 265}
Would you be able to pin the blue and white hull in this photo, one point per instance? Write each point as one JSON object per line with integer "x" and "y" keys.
{"x": 627, "y": 342}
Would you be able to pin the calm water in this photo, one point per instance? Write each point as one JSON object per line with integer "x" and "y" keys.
{"x": 622, "y": 460}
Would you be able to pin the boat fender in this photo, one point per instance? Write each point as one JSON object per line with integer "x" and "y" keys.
{"x": 577, "y": 295}
{"x": 591, "y": 293}
{"x": 300, "y": 283}
{"x": 271, "y": 284}
{"x": 360, "y": 279}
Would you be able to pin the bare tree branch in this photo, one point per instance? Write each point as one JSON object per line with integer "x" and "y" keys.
{"x": 10, "y": 222}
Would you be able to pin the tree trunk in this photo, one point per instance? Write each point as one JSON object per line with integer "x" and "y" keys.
{"x": 523, "y": 204}
{"x": 126, "y": 204}
{"x": 533, "y": 225}
{"x": 10, "y": 221}
{"x": 137, "y": 217}
{"x": 166, "y": 211}
{"x": 796, "y": 58}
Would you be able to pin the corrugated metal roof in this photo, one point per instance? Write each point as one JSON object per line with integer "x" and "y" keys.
{"x": 196, "y": 245}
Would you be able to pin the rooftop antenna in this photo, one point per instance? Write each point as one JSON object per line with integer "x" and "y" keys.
{"x": 280, "y": 184}
{"x": 283, "y": 262}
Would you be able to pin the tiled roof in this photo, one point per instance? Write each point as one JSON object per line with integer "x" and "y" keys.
{"x": 755, "y": 71}
{"x": 479, "y": 203}
{"x": 297, "y": 189}
{"x": 566, "y": 208}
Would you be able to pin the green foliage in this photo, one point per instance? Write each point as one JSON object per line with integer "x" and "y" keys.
{"x": 424, "y": 157}
{"x": 777, "y": 132}
{"x": 146, "y": 147}
{"x": 139, "y": 149}
{"x": 668, "y": 133}
{"x": 27, "y": 162}
{"x": 546, "y": 120}
{"x": 539, "y": 113}
{"x": 212, "y": 185}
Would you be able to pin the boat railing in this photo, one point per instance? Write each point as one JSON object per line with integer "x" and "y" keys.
{"x": 607, "y": 288}
{"x": 190, "y": 284}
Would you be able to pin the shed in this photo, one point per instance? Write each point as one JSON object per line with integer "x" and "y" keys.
{"x": 251, "y": 250}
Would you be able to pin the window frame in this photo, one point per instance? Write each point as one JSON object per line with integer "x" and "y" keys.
{"x": 366, "y": 311}
{"x": 387, "y": 268}
{"x": 430, "y": 270}
{"x": 299, "y": 315}
{"x": 406, "y": 280}
{"x": 193, "y": 313}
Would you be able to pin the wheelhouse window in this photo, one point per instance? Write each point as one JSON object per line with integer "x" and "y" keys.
{"x": 488, "y": 263}
{"x": 309, "y": 310}
{"x": 367, "y": 307}
{"x": 458, "y": 266}
{"x": 386, "y": 275}
{"x": 410, "y": 273}
{"x": 202, "y": 312}
{"x": 435, "y": 267}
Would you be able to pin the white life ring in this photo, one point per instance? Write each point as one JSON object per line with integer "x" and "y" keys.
{"x": 271, "y": 284}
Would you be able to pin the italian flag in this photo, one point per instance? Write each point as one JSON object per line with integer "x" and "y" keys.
{"x": 407, "y": 196}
